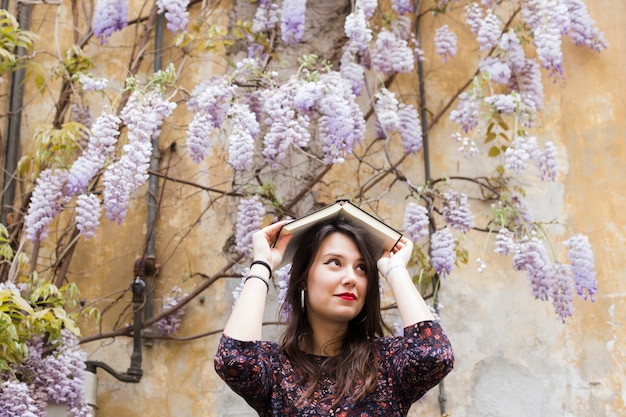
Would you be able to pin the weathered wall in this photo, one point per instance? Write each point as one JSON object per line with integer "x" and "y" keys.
{"x": 514, "y": 357}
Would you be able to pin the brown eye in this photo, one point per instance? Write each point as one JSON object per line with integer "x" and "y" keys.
{"x": 333, "y": 261}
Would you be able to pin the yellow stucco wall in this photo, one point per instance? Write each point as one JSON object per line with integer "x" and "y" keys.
{"x": 514, "y": 357}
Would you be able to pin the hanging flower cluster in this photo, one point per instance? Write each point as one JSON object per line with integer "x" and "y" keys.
{"x": 176, "y": 14}
{"x": 171, "y": 323}
{"x": 250, "y": 214}
{"x": 57, "y": 377}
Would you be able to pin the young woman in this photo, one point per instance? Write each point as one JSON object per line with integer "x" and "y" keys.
{"x": 333, "y": 359}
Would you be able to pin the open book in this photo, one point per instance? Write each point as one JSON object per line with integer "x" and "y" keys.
{"x": 384, "y": 236}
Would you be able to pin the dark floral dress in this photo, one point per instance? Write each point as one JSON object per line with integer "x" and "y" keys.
{"x": 409, "y": 366}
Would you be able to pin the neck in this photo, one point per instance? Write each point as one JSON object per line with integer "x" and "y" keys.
{"x": 326, "y": 339}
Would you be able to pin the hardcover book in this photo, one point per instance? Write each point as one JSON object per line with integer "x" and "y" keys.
{"x": 385, "y": 236}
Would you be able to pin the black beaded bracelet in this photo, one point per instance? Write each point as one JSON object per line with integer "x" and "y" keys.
{"x": 265, "y": 264}
{"x": 258, "y": 277}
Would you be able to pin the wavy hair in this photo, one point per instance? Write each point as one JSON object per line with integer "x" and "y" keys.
{"x": 355, "y": 369}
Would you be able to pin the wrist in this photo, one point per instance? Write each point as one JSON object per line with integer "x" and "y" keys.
{"x": 392, "y": 268}
{"x": 262, "y": 265}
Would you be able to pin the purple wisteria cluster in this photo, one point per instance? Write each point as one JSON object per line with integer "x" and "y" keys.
{"x": 524, "y": 150}
{"x": 143, "y": 115}
{"x": 101, "y": 145}
{"x": 210, "y": 102}
{"x": 446, "y": 43}
{"x": 442, "y": 251}
{"x": 171, "y": 323}
{"x": 266, "y": 17}
{"x": 456, "y": 212}
{"x": 16, "y": 399}
{"x": 550, "y": 280}
{"x": 292, "y": 21}
{"x": 520, "y": 92}
{"x": 57, "y": 377}
{"x": 46, "y": 202}
{"x": 176, "y": 14}
{"x": 416, "y": 221}
{"x": 250, "y": 212}
{"x": 109, "y": 17}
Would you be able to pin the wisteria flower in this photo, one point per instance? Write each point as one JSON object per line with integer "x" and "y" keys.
{"x": 171, "y": 323}
{"x": 562, "y": 292}
{"x": 581, "y": 257}
{"x": 456, "y": 212}
{"x": 46, "y": 202}
{"x": 410, "y": 128}
{"x": 58, "y": 377}
{"x": 390, "y": 53}
{"x": 143, "y": 115}
{"x": 266, "y": 17}
{"x": 513, "y": 51}
{"x": 92, "y": 84}
{"x": 504, "y": 103}
{"x": 473, "y": 17}
{"x": 199, "y": 136}
{"x": 416, "y": 221}
{"x": 518, "y": 155}
{"x": 499, "y": 71}
{"x": 402, "y": 6}
{"x": 468, "y": 146}
{"x": 341, "y": 125}
{"x": 292, "y": 21}
{"x": 101, "y": 146}
{"x": 88, "y": 212}
{"x": 245, "y": 129}
{"x": 505, "y": 243}
{"x": 287, "y": 126}
{"x": 445, "y": 43}
{"x": 442, "y": 253}
{"x": 489, "y": 31}
{"x": 353, "y": 73}
{"x": 176, "y": 14}
{"x": 467, "y": 112}
{"x": 282, "y": 280}
{"x": 357, "y": 30}
{"x": 16, "y": 399}
{"x": 367, "y": 6}
{"x": 546, "y": 161}
{"x": 109, "y": 17}
{"x": 582, "y": 29}
{"x": 531, "y": 256}
{"x": 386, "y": 106}
{"x": 250, "y": 214}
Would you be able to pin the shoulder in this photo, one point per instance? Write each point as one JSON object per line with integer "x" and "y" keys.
{"x": 417, "y": 333}
{"x": 256, "y": 348}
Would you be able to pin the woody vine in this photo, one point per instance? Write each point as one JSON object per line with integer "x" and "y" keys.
{"x": 283, "y": 112}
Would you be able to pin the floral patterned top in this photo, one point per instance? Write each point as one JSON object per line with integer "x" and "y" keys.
{"x": 409, "y": 366}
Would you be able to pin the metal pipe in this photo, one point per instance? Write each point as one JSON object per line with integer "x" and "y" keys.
{"x": 442, "y": 397}
{"x": 153, "y": 185}
{"x": 14, "y": 123}
{"x": 134, "y": 372}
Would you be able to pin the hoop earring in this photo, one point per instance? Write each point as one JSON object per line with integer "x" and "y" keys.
{"x": 302, "y": 299}
{"x": 362, "y": 320}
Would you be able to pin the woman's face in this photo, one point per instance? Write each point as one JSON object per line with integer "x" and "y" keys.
{"x": 337, "y": 282}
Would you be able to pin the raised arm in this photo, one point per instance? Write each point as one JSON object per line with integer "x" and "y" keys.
{"x": 413, "y": 309}
{"x": 246, "y": 320}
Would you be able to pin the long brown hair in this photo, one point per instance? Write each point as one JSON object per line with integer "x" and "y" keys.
{"x": 355, "y": 368}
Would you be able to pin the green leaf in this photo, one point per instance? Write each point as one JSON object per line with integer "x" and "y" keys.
{"x": 494, "y": 151}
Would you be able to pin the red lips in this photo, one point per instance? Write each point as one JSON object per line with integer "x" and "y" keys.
{"x": 347, "y": 296}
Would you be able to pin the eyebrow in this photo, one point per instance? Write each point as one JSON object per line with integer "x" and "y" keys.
{"x": 339, "y": 255}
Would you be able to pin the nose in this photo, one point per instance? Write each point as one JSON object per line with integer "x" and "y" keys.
{"x": 349, "y": 278}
